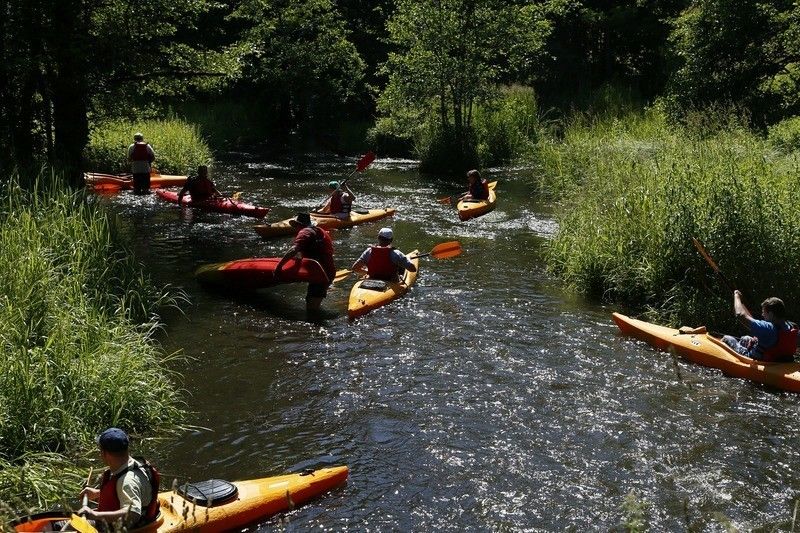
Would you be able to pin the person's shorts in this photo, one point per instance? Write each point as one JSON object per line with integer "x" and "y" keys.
{"x": 317, "y": 290}
{"x": 141, "y": 183}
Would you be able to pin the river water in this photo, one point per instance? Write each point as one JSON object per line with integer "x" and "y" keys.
{"x": 487, "y": 399}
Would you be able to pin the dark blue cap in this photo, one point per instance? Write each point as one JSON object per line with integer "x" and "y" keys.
{"x": 113, "y": 440}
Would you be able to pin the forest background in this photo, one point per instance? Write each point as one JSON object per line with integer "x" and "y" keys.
{"x": 645, "y": 122}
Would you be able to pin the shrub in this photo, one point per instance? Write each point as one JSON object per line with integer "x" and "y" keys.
{"x": 178, "y": 145}
{"x": 507, "y": 128}
{"x": 785, "y": 135}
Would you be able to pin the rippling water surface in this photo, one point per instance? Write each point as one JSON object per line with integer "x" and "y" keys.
{"x": 486, "y": 399}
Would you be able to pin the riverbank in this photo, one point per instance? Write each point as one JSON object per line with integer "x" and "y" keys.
{"x": 633, "y": 190}
{"x": 77, "y": 314}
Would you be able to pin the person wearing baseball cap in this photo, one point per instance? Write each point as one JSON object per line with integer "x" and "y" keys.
{"x": 311, "y": 242}
{"x": 141, "y": 156}
{"x": 128, "y": 493}
{"x": 340, "y": 201}
{"x": 383, "y": 261}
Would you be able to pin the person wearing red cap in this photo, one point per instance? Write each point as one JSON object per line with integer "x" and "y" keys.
{"x": 311, "y": 242}
{"x": 128, "y": 493}
{"x": 383, "y": 261}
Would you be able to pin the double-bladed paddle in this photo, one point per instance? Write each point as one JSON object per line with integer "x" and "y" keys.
{"x": 362, "y": 164}
{"x": 445, "y": 250}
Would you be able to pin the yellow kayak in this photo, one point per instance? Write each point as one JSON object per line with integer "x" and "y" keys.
{"x": 237, "y": 504}
{"x": 703, "y": 349}
{"x": 283, "y": 228}
{"x": 468, "y": 209}
{"x": 364, "y": 299}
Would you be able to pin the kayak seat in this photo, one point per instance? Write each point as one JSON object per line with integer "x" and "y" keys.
{"x": 374, "y": 285}
{"x": 214, "y": 491}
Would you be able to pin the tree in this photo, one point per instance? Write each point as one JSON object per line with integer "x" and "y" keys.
{"x": 449, "y": 55}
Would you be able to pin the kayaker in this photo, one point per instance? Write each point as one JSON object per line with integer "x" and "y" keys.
{"x": 199, "y": 187}
{"x": 128, "y": 492}
{"x": 141, "y": 157}
{"x": 773, "y": 339}
{"x": 383, "y": 261}
{"x": 478, "y": 187}
{"x": 340, "y": 202}
{"x": 311, "y": 242}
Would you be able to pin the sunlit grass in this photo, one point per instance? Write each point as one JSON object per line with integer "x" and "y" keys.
{"x": 76, "y": 350}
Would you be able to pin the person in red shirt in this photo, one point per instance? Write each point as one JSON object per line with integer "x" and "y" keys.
{"x": 311, "y": 242}
{"x": 199, "y": 187}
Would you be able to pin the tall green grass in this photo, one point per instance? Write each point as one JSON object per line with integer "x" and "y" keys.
{"x": 178, "y": 145}
{"x": 634, "y": 190}
{"x": 76, "y": 351}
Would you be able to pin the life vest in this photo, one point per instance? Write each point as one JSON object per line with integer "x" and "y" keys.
{"x": 201, "y": 189}
{"x": 140, "y": 152}
{"x": 321, "y": 250}
{"x": 479, "y": 190}
{"x": 109, "y": 499}
{"x": 380, "y": 264}
{"x": 784, "y": 348}
{"x": 338, "y": 206}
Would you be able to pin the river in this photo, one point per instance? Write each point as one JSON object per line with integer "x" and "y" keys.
{"x": 487, "y": 399}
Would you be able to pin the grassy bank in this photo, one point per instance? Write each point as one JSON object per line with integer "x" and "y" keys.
{"x": 634, "y": 190}
{"x": 76, "y": 315}
{"x": 178, "y": 145}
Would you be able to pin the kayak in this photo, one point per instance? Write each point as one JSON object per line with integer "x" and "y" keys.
{"x": 111, "y": 182}
{"x": 235, "y": 505}
{"x": 257, "y": 272}
{"x": 703, "y": 349}
{"x": 283, "y": 228}
{"x": 368, "y": 294}
{"x": 217, "y": 204}
{"x": 468, "y": 209}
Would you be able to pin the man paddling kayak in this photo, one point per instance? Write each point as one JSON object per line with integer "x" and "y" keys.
{"x": 340, "y": 202}
{"x": 128, "y": 493}
{"x": 311, "y": 242}
{"x": 199, "y": 187}
{"x": 478, "y": 187}
{"x": 141, "y": 156}
{"x": 773, "y": 339}
{"x": 383, "y": 261}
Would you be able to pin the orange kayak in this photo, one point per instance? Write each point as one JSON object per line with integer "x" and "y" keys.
{"x": 468, "y": 209}
{"x": 368, "y": 294}
{"x": 119, "y": 182}
{"x": 703, "y": 349}
{"x": 237, "y": 505}
{"x": 283, "y": 228}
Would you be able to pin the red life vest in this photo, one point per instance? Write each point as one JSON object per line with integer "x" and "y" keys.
{"x": 784, "y": 348}
{"x": 140, "y": 152}
{"x": 320, "y": 249}
{"x": 200, "y": 189}
{"x": 109, "y": 499}
{"x": 380, "y": 264}
{"x": 338, "y": 206}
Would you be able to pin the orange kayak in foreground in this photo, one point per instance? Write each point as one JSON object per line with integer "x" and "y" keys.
{"x": 703, "y": 349}
{"x": 283, "y": 228}
{"x": 364, "y": 299}
{"x": 112, "y": 182}
{"x": 239, "y": 503}
{"x": 468, "y": 209}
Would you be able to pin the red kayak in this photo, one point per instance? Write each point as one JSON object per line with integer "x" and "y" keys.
{"x": 218, "y": 204}
{"x": 258, "y": 272}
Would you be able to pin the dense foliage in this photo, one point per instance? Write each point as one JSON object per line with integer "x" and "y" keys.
{"x": 72, "y": 356}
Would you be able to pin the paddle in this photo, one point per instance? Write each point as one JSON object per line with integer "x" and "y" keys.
{"x": 712, "y": 264}
{"x": 362, "y": 164}
{"x": 445, "y": 250}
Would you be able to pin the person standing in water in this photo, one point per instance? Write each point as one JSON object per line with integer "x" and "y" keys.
{"x": 141, "y": 157}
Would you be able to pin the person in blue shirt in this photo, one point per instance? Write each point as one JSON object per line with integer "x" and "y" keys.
{"x": 773, "y": 339}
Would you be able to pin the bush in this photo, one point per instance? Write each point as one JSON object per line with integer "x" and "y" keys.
{"x": 635, "y": 191}
{"x": 74, "y": 355}
{"x": 441, "y": 152}
{"x": 508, "y": 127}
{"x": 785, "y": 135}
{"x": 178, "y": 145}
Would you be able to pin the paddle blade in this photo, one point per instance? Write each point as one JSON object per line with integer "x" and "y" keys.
{"x": 365, "y": 161}
{"x": 341, "y": 274}
{"x": 81, "y": 525}
{"x": 446, "y": 250}
{"x": 446, "y": 200}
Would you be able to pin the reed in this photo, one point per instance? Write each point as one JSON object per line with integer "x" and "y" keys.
{"x": 178, "y": 145}
{"x": 634, "y": 190}
{"x": 76, "y": 347}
